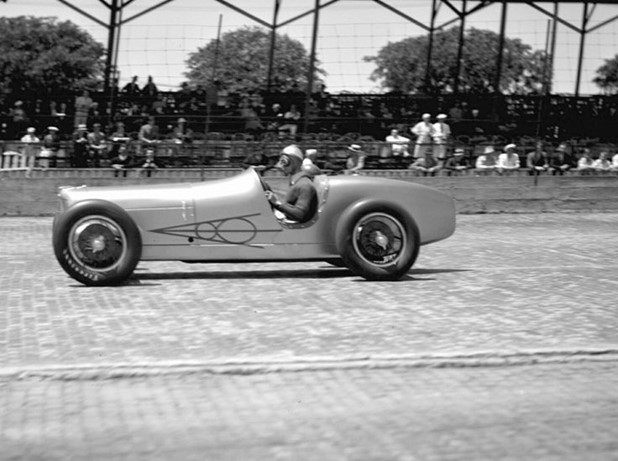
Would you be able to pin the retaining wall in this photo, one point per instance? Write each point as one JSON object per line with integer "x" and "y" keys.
{"x": 34, "y": 193}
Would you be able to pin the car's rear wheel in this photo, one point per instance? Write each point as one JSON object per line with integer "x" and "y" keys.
{"x": 379, "y": 243}
{"x": 97, "y": 243}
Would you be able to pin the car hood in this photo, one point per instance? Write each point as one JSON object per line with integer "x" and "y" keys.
{"x": 131, "y": 197}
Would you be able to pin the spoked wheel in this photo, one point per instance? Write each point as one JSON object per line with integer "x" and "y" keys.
{"x": 97, "y": 243}
{"x": 379, "y": 243}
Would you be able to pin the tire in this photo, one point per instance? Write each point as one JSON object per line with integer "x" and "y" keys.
{"x": 97, "y": 243}
{"x": 378, "y": 242}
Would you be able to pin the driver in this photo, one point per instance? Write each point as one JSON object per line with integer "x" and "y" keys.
{"x": 301, "y": 200}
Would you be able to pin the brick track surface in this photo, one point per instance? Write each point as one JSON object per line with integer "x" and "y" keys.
{"x": 501, "y": 343}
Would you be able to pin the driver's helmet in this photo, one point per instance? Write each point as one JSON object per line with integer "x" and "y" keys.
{"x": 290, "y": 154}
{"x": 293, "y": 151}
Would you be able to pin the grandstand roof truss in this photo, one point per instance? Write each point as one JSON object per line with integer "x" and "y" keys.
{"x": 461, "y": 8}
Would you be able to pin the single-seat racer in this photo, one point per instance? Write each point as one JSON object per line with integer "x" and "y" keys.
{"x": 374, "y": 226}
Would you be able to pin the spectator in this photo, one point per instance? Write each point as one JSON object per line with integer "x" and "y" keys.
{"x": 19, "y": 119}
{"x": 275, "y": 117}
{"x": 181, "y": 133}
{"x": 148, "y": 135}
{"x": 476, "y": 123}
{"x": 97, "y": 146}
{"x": 457, "y": 162}
{"x": 149, "y": 164}
{"x": 159, "y": 105}
{"x": 150, "y": 90}
{"x": 398, "y": 144}
{"x": 536, "y": 161}
{"x": 122, "y": 160}
{"x": 201, "y": 97}
{"x": 119, "y": 134}
{"x": 51, "y": 146}
{"x": 441, "y": 137}
{"x": 456, "y": 113}
{"x": 602, "y": 164}
{"x": 83, "y": 104}
{"x": 585, "y": 164}
{"x": 487, "y": 161}
{"x": 290, "y": 121}
{"x": 424, "y": 132}
{"x": 79, "y": 158}
{"x": 385, "y": 115}
{"x": 95, "y": 115}
{"x": 356, "y": 160}
{"x": 561, "y": 161}
{"x": 251, "y": 119}
{"x": 311, "y": 156}
{"x": 309, "y": 164}
{"x": 322, "y": 98}
{"x": 30, "y": 147}
{"x": 428, "y": 165}
{"x": 336, "y": 159}
{"x": 508, "y": 161}
{"x": 132, "y": 88}
{"x": 59, "y": 115}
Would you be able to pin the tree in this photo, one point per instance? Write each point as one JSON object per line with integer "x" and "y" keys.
{"x": 401, "y": 66}
{"x": 607, "y": 76}
{"x": 240, "y": 61}
{"x": 41, "y": 57}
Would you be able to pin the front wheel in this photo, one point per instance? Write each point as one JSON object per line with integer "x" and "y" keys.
{"x": 97, "y": 243}
{"x": 379, "y": 243}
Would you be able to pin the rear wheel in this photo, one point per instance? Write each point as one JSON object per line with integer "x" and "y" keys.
{"x": 97, "y": 243}
{"x": 378, "y": 243}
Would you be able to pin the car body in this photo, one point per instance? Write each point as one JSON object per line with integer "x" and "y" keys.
{"x": 372, "y": 225}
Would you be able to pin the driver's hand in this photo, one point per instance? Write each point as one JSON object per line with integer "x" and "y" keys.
{"x": 271, "y": 197}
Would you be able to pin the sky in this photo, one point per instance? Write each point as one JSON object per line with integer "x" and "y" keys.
{"x": 158, "y": 43}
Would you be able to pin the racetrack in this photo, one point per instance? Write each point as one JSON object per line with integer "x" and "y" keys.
{"x": 506, "y": 292}
{"x": 501, "y": 283}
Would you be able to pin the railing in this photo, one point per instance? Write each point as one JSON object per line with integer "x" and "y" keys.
{"x": 219, "y": 153}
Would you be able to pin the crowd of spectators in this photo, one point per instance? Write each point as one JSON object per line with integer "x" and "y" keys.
{"x": 89, "y": 130}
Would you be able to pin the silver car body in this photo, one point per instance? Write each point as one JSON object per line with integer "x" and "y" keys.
{"x": 230, "y": 219}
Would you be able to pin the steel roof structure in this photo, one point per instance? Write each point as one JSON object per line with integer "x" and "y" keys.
{"x": 461, "y": 8}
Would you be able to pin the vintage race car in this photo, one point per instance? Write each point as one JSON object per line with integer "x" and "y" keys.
{"x": 374, "y": 226}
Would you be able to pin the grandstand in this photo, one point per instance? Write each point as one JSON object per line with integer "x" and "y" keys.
{"x": 223, "y": 135}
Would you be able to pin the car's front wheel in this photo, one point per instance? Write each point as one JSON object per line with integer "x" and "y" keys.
{"x": 97, "y": 243}
{"x": 379, "y": 243}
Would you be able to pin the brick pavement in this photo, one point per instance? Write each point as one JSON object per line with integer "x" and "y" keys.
{"x": 543, "y": 412}
{"x": 504, "y": 288}
{"x": 501, "y": 283}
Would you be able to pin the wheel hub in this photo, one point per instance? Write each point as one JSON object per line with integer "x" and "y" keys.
{"x": 97, "y": 243}
{"x": 379, "y": 239}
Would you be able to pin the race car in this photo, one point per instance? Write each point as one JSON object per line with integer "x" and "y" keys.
{"x": 374, "y": 226}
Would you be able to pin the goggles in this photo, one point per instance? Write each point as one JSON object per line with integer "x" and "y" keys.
{"x": 284, "y": 161}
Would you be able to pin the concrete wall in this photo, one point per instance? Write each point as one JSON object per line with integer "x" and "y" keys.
{"x": 34, "y": 193}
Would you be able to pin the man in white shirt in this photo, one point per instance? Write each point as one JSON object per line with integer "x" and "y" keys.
{"x": 441, "y": 136}
{"x": 508, "y": 160}
{"x": 30, "y": 147}
{"x": 399, "y": 144}
{"x": 602, "y": 163}
{"x": 486, "y": 162}
{"x": 424, "y": 132}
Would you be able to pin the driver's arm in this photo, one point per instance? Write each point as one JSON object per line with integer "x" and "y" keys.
{"x": 297, "y": 203}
